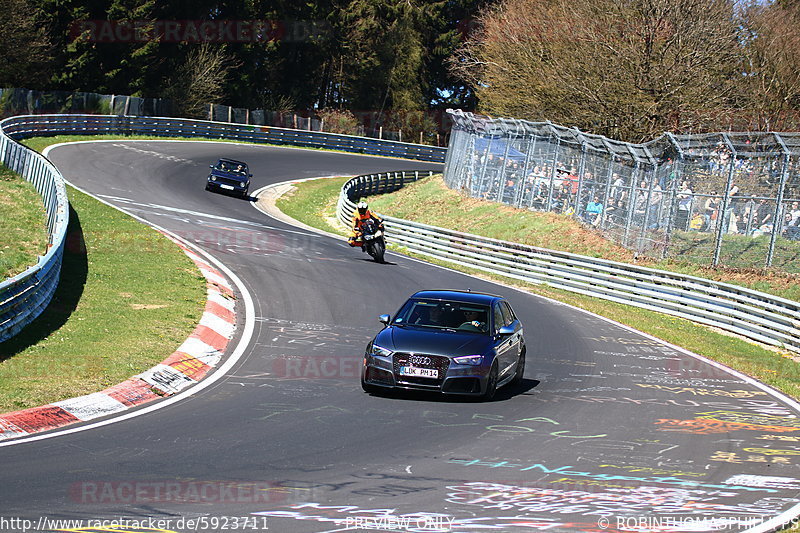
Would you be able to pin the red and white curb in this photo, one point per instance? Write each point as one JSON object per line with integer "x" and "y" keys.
{"x": 193, "y": 359}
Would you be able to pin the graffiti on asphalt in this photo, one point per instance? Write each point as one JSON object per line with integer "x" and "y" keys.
{"x": 569, "y": 471}
{"x": 608, "y": 502}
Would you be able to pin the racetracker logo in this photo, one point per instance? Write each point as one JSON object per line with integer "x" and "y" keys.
{"x": 147, "y": 492}
{"x": 198, "y": 31}
{"x": 316, "y": 367}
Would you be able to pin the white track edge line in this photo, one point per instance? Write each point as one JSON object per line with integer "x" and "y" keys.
{"x": 237, "y": 143}
{"x": 220, "y": 371}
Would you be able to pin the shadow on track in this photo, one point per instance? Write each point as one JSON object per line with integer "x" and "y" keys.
{"x": 503, "y": 394}
{"x": 371, "y": 260}
{"x": 74, "y": 271}
{"x": 247, "y": 198}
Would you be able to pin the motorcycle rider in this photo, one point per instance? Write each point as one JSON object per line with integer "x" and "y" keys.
{"x": 360, "y": 216}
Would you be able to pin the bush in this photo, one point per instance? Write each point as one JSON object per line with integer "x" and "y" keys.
{"x": 338, "y": 121}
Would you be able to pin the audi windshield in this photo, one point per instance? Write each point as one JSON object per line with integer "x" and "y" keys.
{"x": 445, "y": 315}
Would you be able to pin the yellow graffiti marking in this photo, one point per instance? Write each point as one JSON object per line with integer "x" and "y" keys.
{"x": 744, "y": 418}
{"x": 772, "y": 451}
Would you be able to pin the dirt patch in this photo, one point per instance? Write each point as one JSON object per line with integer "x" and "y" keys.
{"x": 147, "y": 306}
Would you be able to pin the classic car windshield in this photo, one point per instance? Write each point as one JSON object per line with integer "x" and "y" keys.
{"x": 228, "y": 166}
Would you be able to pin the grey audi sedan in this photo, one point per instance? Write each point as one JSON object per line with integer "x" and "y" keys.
{"x": 453, "y": 342}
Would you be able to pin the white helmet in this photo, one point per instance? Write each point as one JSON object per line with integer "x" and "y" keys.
{"x": 362, "y": 207}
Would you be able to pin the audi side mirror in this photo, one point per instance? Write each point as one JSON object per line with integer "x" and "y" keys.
{"x": 505, "y": 331}
{"x": 384, "y": 319}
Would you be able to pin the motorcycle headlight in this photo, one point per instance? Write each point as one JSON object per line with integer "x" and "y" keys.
{"x": 380, "y": 351}
{"x": 473, "y": 360}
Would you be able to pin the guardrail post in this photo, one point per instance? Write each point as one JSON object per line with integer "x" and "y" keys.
{"x": 647, "y": 211}
{"x": 722, "y": 219}
{"x": 486, "y": 159}
{"x": 579, "y": 193}
{"x": 631, "y": 205}
{"x": 501, "y": 184}
{"x": 525, "y": 170}
{"x": 673, "y": 204}
{"x": 553, "y": 170}
{"x": 607, "y": 192}
{"x": 777, "y": 219}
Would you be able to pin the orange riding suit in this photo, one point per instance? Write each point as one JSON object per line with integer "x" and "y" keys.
{"x": 358, "y": 221}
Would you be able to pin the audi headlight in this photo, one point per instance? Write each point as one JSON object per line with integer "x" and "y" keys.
{"x": 380, "y": 351}
{"x": 473, "y": 360}
{"x": 212, "y": 178}
{"x": 241, "y": 184}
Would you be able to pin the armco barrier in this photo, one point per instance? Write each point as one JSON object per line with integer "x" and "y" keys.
{"x": 24, "y": 297}
{"x": 762, "y": 317}
{"x": 32, "y": 125}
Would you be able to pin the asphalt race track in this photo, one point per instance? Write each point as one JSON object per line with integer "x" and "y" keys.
{"x": 611, "y": 430}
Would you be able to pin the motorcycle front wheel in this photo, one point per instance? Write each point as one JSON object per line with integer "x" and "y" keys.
{"x": 377, "y": 251}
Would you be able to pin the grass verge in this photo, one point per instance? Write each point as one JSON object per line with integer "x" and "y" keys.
{"x": 775, "y": 368}
{"x": 316, "y": 206}
{"x": 432, "y": 202}
{"x": 23, "y": 226}
{"x": 113, "y": 315}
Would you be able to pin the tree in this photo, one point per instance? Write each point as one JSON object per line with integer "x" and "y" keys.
{"x": 770, "y": 86}
{"x": 24, "y": 48}
{"x": 200, "y": 80}
{"x": 628, "y": 69}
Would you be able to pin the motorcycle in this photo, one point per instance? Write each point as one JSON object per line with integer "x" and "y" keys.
{"x": 373, "y": 242}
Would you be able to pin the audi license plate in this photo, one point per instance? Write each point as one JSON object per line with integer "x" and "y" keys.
{"x": 419, "y": 372}
{"x": 229, "y": 187}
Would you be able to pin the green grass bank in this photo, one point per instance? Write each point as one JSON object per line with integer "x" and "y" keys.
{"x": 23, "y": 224}
{"x": 113, "y": 315}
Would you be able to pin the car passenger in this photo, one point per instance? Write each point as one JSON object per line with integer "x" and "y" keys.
{"x": 436, "y": 316}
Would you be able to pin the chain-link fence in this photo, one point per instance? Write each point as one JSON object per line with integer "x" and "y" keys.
{"x": 729, "y": 199}
{"x": 25, "y": 102}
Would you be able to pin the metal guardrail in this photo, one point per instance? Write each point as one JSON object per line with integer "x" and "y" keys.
{"x": 35, "y": 125}
{"x": 369, "y": 184}
{"x": 25, "y": 296}
{"x": 762, "y": 317}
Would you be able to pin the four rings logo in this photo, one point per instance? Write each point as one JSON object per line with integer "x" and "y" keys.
{"x": 419, "y": 360}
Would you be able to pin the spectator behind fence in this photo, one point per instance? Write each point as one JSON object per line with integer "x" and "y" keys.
{"x": 730, "y": 218}
{"x": 793, "y": 230}
{"x": 594, "y": 211}
{"x": 795, "y": 213}
{"x": 617, "y": 187}
{"x": 711, "y": 209}
{"x": 684, "y": 207}
{"x": 764, "y": 213}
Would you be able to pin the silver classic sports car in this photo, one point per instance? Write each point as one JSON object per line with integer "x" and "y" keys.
{"x": 454, "y": 342}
